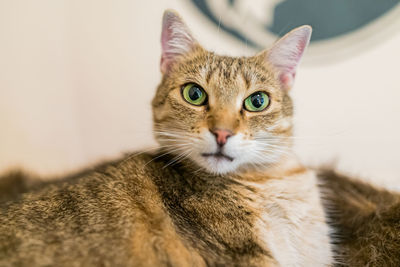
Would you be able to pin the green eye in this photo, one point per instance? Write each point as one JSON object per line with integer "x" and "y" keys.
{"x": 194, "y": 94}
{"x": 256, "y": 102}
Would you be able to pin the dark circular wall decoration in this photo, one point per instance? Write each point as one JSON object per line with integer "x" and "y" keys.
{"x": 339, "y": 24}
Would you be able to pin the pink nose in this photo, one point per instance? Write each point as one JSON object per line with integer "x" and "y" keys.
{"x": 221, "y": 136}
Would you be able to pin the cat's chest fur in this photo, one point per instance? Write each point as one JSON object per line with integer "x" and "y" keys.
{"x": 277, "y": 222}
{"x": 291, "y": 222}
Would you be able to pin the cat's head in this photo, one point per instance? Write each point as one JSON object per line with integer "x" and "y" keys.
{"x": 225, "y": 113}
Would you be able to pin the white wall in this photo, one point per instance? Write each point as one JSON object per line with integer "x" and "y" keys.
{"x": 77, "y": 78}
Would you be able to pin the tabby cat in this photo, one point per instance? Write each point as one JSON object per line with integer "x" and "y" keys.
{"x": 224, "y": 188}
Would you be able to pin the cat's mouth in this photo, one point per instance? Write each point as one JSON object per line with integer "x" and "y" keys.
{"x": 218, "y": 155}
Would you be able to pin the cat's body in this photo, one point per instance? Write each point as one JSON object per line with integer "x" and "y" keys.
{"x": 366, "y": 220}
{"x": 224, "y": 190}
{"x": 135, "y": 212}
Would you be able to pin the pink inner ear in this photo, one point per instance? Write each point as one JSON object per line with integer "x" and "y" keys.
{"x": 165, "y": 35}
{"x": 288, "y": 75}
{"x": 176, "y": 39}
{"x": 287, "y": 79}
{"x": 301, "y": 47}
{"x": 286, "y": 54}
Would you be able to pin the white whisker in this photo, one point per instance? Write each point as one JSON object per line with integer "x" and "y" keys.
{"x": 178, "y": 158}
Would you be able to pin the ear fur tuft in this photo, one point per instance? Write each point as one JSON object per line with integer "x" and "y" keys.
{"x": 176, "y": 39}
{"x": 286, "y": 54}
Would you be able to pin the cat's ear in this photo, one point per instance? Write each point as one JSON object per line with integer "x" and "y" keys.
{"x": 176, "y": 39}
{"x": 286, "y": 53}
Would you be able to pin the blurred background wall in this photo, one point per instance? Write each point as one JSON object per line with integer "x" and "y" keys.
{"x": 77, "y": 78}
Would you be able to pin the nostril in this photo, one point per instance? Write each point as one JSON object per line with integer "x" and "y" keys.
{"x": 221, "y": 135}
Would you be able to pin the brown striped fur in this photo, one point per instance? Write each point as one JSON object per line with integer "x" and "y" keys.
{"x": 366, "y": 220}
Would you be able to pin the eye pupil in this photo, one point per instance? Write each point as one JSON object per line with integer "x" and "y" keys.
{"x": 257, "y": 100}
{"x": 195, "y": 93}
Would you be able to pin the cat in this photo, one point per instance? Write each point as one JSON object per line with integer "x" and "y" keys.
{"x": 224, "y": 188}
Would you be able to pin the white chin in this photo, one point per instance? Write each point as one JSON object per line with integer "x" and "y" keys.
{"x": 218, "y": 165}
